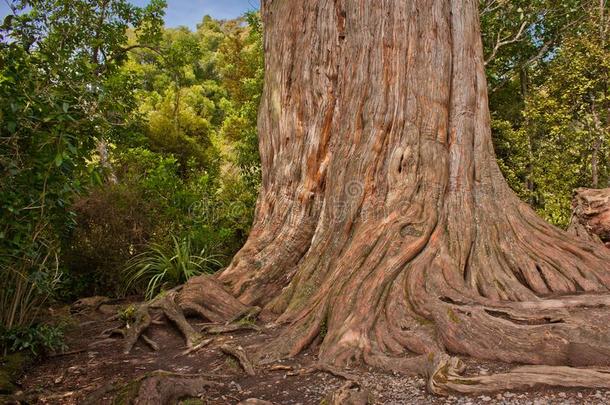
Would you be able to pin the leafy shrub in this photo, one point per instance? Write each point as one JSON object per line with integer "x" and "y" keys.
{"x": 37, "y": 339}
{"x": 113, "y": 223}
{"x": 154, "y": 198}
{"x": 26, "y": 285}
{"x": 58, "y": 99}
{"x": 162, "y": 267}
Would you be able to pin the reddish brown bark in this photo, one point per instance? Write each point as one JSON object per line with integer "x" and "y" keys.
{"x": 591, "y": 218}
{"x": 384, "y": 231}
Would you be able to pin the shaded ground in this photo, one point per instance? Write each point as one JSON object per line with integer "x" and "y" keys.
{"x": 72, "y": 378}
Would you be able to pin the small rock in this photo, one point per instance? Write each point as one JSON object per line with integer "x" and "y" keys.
{"x": 562, "y": 395}
{"x": 236, "y": 386}
{"x": 74, "y": 370}
{"x": 485, "y": 398}
{"x": 254, "y": 401}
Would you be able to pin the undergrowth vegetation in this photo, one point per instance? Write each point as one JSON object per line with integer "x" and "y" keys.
{"x": 161, "y": 267}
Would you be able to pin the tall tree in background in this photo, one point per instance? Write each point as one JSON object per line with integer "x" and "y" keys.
{"x": 547, "y": 64}
{"x": 385, "y": 231}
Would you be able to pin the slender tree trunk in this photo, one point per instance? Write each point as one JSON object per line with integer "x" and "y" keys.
{"x": 530, "y": 185}
{"x": 104, "y": 155}
{"x": 597, "y": 144}
{"x": 385, "y": 233}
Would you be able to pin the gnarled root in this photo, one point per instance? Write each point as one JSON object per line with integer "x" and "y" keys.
{"x": 203, "y": 296}
{"x": 325, "y": 368}
{"x": 196, "y": 348}
{"x": 445, "y": 377}
{"x": 173, "y": 312}
{"x": 167, "y": 389}
{"x": 200, "y": 296}
{"x": 159, "y": 387}
{"x": 239, "y": 353}
{"x": 230, "y": 328}
{"x": 132, "y": 332}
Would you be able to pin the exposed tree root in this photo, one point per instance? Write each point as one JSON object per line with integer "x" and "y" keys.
{"x": 219, "y": 307}
{"x": 230, "y": 328}
{"x": 280, "y": 367}
{"x": 151, "y": 343}
{"x": 240, "y": 354}
{"x": 140, "y": 324}
{"x": 91, "y": 303}
{"x": 445, "y": 378}
{"x": 196, "y": 348}
{"x": 174, "y": 313}
{"x": 325, "y": 368}
{"x": 162, "y": 389}
{"x": 203, "y": 296}
{"x": 159, "y": 387}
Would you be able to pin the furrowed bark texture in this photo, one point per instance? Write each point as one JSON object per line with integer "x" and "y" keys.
{"x": 384, "y": 230}
{"x": 591, "y": 215}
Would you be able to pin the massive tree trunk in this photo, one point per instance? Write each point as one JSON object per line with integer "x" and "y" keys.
{"x": 385, "y": 231}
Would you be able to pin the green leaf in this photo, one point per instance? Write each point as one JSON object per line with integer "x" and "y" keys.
{"x": 59, "y": 159}
{"x": 11, "y": 126}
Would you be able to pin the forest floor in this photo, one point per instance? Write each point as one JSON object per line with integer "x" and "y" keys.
{"x": 82, "y": 370}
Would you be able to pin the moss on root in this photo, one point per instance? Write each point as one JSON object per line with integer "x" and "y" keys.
{"x": 192, "y": 401}
{"x": 128, "y": 393}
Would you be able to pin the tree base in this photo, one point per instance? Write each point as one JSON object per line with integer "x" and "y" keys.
{"x": 445, "y": 374}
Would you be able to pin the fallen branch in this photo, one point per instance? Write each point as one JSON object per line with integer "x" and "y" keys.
{"x": 151, "y": 343}
{"x": 196, "y": 348}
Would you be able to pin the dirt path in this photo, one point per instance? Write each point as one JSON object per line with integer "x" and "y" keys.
{"x": 72, "y": 378}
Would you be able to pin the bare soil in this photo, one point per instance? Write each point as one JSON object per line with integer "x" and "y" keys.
{"x": 73, "y": 377}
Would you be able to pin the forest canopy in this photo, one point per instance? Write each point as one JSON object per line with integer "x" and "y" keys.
{"x": 129, "y": 151}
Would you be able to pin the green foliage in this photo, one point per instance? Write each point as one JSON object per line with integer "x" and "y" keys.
{"x": 127, "y": 315}
{"x": 549, "y": 98}
{"x": 242, "y": 75}
{"x": 51, "y": 118}
{"x": 26, "y": 285}
{"x": 195, "y": 168}
{"x": 113, "y": 223}
{"x": 37, "y": 339}
{"x": 160, "y": 267}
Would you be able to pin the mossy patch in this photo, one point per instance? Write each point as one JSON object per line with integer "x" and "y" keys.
{"x": 452, "y": 316}
{"x": 192, "y": 401}
{"x": 127, "y": 393}
{"x": 11, "y": 368}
